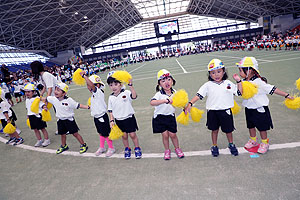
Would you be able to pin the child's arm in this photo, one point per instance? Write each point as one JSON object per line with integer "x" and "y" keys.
{"x": 84, "y": 106}
{"x": 284, "y": 94}
{"x": 112, "y": 120}
{"x": 133, "y": 93}
{"x": 190, "y": 104}
{"x": 6, "y": 116}
{"x": 162, "y": 101}
{"x": 90, "y": 85}
{"x": 239, "y": 82}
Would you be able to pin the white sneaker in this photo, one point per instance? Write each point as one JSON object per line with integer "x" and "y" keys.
{"x": 56, "y": 132}
{"x": 46, "y": 143}
{"x": 100, "y": 151}
{"x": 38, "y": 143}
{"x": 6, "y": 135}
{"x": 110, "y": 152}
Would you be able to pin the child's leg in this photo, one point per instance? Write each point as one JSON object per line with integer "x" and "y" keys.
{"x": 78, "y": 137}
{"x": 102, "y": 141}
{"x": 165, "y": 139}
{"x": 174, "y": 139}
{"x": 109, "y": 143}
{"x": 125, "y": 140}
{"x": 134, "y": 139}
{"x": 37, "y": 134}
{"x": 214, "y": 137}
{"x": 63, "y": 140}
{"x": 229, "y": 137}
{"x": 45, "y": 133}
{"x": 252, "y": 132}
{"x": 263, "y": 135}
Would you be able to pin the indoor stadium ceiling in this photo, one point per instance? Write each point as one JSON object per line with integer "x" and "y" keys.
{"x": 57, "y": 25}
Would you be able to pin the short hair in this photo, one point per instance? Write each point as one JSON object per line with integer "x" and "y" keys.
{"x": 225, "y": 76}
{"x": 112, "y": 80}
{"x": 37, "y": 67}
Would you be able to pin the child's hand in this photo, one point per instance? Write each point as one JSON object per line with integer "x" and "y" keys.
{"x": 187, "y": 109}
{"x": 82, "y": 73}
{"x": 291, "y": 97}
{"x": 236, "y": 77}
{"x": 130, "y": 82}
{"x": 112, "y": 123}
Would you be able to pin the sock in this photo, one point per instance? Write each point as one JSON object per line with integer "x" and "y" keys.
{"x": 230, "y": 144}
{"x": 266, "y": 141}
{"x": 102, "y": 141}
{"x": 109, "y": 143}
{"x": 215, "y": 145}
{"x": 253, "y": 138}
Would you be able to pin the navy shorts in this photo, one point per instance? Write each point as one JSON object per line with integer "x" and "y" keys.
{"x": 102, "y": 125}
{"x": 36, "y": 122}
{"x": 17, "y": 94}
{"x": 260, "y": 120}
{"x": 128, "y": 125}
{"x": 164, "y": 123}
{"x": 217, "y": 118}
{"x": 63, "y": 126}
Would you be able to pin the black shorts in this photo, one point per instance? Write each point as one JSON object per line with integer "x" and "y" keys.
{"x": 63, "y": 126}
{"x": 36, "y": 122}
{"x": 102, "y": 125}
{"x": 4, "y": 123}
{"x": 7, "y": 95}
{"x": 17, "y": 94}
{"x": 295, "y": 44}
{"x": 261, "y": 120}
{"x": 217, "y": 118}
{"x": 164, "y": 123}
{"x": 14, "y": 116}
{"x": 128, "y": 125}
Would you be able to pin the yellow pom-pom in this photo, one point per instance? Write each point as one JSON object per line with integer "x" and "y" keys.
{"x": 196, "y": 114}
{"x": 236, "y": 109}
{"x": 183, "y": 118}
{"x": 35, "y": 105}
{"x": 249, "y": 89}
{"x": 77, "y": 78}
{"x": 89, "y": 102}
{"x": 115, "y": 133}
{"x": 292, "y": 104}
{"x": 28, "y": 123}
{"x": 298, "y": 83}
{"x": 122, "y": 76}
{"x": 9, "y": 129}
{"x": 46, "y": 115}
{"x": 49, "y": 105}
{"x": 180, "y": 99}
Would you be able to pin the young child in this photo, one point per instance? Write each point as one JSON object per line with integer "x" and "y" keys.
{"x": 17, "y": 91}
{"x": 256, "y": 108}
{"x": 7, "y": 94}
{"x": 219, "y": 92}
{"x": 98, "y": 111}
{"x": 164, "y": 120}
{"x": 35, "y": 120}
{"x": 121, "y": 112}
{"x": 64, "y": 107}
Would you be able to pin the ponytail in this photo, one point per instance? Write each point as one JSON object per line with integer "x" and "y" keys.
{"x": 157, "y": 88}
{"x": 262, "y": 78}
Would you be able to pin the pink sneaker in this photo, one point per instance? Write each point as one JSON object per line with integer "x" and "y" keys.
{"x": 250, "y": 144}
{"x": 167, "y": 155}
{"x": 179, "y": 153}
{"x": 263, "y": 148}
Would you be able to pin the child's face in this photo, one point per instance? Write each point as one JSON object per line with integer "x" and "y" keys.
{"x": 166, "y": 83}
{"x": 217, "y": 74}
{"x": 29, "y": 94}
{"x": 115, "y": 87}
{"x": 58, "y": 93}
{"x": 242, "y": 73}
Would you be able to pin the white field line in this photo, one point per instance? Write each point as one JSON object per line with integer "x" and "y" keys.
{"x": 152, "y": 155}
{"x": 184, "y": 71}
{"x": 137, "y": 68}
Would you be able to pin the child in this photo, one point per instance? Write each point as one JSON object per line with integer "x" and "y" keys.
{"x": 98, "y": 111}
{"x": 64, "y": 107}
{"x": 35, "y": 120}
{"x": 256, "y": 108}
{"x": 164, "y": 121}
{"x": 219, "y": 92}
{"x": 7, "y": 94}
{"x": 121, "y": 112}
{"x": 17, "y": 91}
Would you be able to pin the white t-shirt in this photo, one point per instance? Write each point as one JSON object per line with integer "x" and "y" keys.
{"x": 28, "y": 106}
{"x": 260, "y": 99}
{"x": 64, "y": 108}
{"x": 219, "y": 95}
{"x": 98, "y": 105}
{"x": 163, "y": 109}
{"x": 120, "y": 105}
{"x": 49, "y": 81}
{"x": 17, "y": 88}
{"x": 5, "y": 107}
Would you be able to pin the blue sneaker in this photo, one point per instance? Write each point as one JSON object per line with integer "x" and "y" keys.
{"x": 11, "y": 140}
{"x": 233, "y": 149}
{"x": 127, "y": 153}
{"x": 214, "y": 151}
{"x": 138, "y": 152}
{"x": 18, "y": 141}
{"x": 1, "y": 131}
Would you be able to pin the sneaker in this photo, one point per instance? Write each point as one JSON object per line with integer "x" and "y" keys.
{"x": 83, "y": 148}
{"x": 18, "y": 131}
{"x": 1, "y": 131}
{"x": 167, "y": 155}
{"x": 100, "y": 151}
{"x": 233, "y": 149}
{"x": 263, "y": 148}
{"x": 11, "y": 140}
{"x": 6, "y": 135}
{"x": 127, "y": 153}
{"x": 62, "y": 149}
{"x": 46, "y": 143}
{"x": 179, "y": 153}
{"x": 56, "y": 132}
{"x": 38, "y": 143}
{"x": 18, "y": 141}
{"x": 138, "y": 152}
{"x": 250, "y": 144}
{"x": 110, "y": 152}
{"x": 214, "y": 151}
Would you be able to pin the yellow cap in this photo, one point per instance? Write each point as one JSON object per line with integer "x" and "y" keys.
{"x": 248, "y": 62}
{"x": 215, "y": 64}
{"x": 162, "y": 74}
{"x": 95, "y": 79}
{"x": 64, "y": 87}
{"x": 29, "y": 87}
